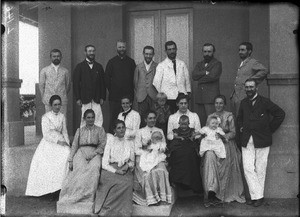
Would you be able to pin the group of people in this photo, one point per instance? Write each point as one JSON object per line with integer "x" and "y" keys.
{"x": 161, "y": 143}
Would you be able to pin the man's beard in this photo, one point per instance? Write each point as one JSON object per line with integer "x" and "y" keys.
{"x": 91, "y": 57}
{"x": 56, "y": 62}
{"x": 250, "y": 94}
{"x": 121, "y": 53}
{"x": 207, "y": 58}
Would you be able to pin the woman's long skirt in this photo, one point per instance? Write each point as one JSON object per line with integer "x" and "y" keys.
{"x": 77, "y": 195}
{"x": 114, "y": 194}
{"x": 152, "y": 187}
{"x": 48, "y": 169}
{"x": 223, "y": 176}
{"x": 185, "y": 164}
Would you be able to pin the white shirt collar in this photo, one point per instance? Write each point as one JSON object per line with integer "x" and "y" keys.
{"x": 254, "y": 96}
{"x": 55, "y": 67}
{"x": 127, "y": 110}
{"x": 170, "y": 61}
{"x": 150, "y": 128}
{"x": 148, "y": 65}
{"x": 187, "y": 112}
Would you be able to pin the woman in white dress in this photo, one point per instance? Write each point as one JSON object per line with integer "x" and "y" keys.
{"x": 49, "y": 163}
{"x": 131, "y": 118}
{"x": 152, "y": 187}
{"x": 114, "y": 193}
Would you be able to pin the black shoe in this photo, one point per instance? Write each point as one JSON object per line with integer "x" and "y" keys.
{"x": 211, "y": 195}
{"x": 258, "y": 202}
{"x": 250, "y": 202}
{"x": 216, "y": 201}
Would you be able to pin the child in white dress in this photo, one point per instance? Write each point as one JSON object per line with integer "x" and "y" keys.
{"x": 153, "y": 153}
{"x": 213, "y": 136}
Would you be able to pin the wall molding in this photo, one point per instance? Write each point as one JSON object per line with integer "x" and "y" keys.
{"x": 283, "y": 79}
{"x": 11, "y": 82}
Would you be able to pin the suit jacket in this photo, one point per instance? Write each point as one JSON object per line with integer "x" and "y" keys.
{"x": 143, "y": 80}
{"x": 119, "y": 75}
{"x": 88, "y": 84}
{"x": 54, "y": 83}
{"x": 166, "y": 81}
{"x": 208, "y": 84}
{"x": 260, "y": 121}
{"x": 251, "y": 68}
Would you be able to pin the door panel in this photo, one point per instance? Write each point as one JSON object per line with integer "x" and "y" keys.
{"x": 143, "y": 30}
{"x": 176, "y": 27}
{"x": 155, "y": 28}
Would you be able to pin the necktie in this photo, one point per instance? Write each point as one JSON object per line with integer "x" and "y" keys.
{"x": 174, "y": 65}
{"x": 253, "y": 101}
{"x": 126, "y": 113}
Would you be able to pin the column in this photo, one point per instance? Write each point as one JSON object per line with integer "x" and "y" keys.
{"x": 282, "y": 179}
{"x": 13, "y": 125}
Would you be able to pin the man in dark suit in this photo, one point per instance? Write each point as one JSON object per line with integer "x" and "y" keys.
{"x": 89, "y": 86}
{"x": 207, "y": 73}
{"x": 257, "y": 119}
{"x": 119, "y": 74}
{"x": 145, "y": 92}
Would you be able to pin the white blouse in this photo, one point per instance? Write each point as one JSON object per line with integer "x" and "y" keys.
{"x": 132, "y": 122}
{"x": 173, "y": 122}
{"x": 144, "y": 135}
{"x": 117, "y": 150}
{"x": 54, "y": 127}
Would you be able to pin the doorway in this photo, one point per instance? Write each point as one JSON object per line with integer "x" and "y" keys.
{"x": 158, "y": 26}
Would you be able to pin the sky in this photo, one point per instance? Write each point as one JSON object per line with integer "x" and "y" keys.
{"x": 28, "y": 57}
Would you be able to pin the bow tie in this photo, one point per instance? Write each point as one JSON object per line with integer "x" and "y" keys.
{"x": 90, "y": 62}
{"x": 126, "y": 113}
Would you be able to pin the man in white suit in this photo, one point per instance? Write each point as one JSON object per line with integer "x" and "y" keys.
{"x": 172, "y": 76}
{"x": 55, "y": 80}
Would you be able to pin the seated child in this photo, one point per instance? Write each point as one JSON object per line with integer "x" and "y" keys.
{"x": 162, "y": 112}
{"x": 213, "y": 136}
{"x": 153, "y": 153}
{"x": 184, "y": 132}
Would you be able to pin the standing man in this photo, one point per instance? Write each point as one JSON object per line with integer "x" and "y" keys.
{"x": 172, "y": 76}
{"x": 207, "y": 73}
{"x": 55, "y": 80}
{"x": 257, "y": 119}
{"x": 144, "y": 90}
{"x": 88, "y": 85}
{"x": 249, "y": 68}
{"x": 119, "y": 74}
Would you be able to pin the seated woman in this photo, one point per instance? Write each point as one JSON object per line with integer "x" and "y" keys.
{"x": 153, "y": 186}
{"x": 152, "y": 153}
{"x": 222, "y": 179}
{"x": 49, "y": 163}
{"x": 114, "y": 194}
{"x": 184, "y": 160}
{"x": 163, "y": 112}
{"x": 79, "y": 187}
{"x": 131, "y": 118}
